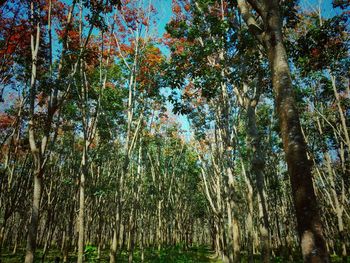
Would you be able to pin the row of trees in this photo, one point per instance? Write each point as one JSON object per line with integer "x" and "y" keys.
{"x": 243, "y": 118}
{"x": 86, "y": 136}
{"x": 91, "y": 155}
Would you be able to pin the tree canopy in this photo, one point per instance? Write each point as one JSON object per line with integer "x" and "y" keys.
{"x": 174, "y": 131}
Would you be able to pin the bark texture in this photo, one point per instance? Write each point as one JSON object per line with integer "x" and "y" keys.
{"x": 312, "y": 240}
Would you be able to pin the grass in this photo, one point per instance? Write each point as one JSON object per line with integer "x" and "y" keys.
{"x": 166, "y": 255}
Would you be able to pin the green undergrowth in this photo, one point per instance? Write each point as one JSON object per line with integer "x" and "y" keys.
{"x": 165, "y": 255}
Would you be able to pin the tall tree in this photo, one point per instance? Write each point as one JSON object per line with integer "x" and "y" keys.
{"x": 269, "y": 33}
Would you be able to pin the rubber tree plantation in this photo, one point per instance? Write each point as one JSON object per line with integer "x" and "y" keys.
{"x": 185, "y": 131}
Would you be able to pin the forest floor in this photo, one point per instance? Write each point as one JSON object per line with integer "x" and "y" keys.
{"x": 168, "y": 255}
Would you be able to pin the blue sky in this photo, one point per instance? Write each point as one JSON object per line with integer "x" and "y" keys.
{"x": 325, "y": 6}
{"x": 164, "y": 8}
{"x": 165, "y": 12}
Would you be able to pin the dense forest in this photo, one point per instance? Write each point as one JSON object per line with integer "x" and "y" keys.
{"x": 174, "y": 131}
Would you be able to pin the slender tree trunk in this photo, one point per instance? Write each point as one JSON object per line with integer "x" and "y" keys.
{"x": 116, "y": 233}
{"x": 2, "y": 234}
{"x": 142, "y": 238}
{"x": 33, "y": 225}
{"x": 34, "y": 221}
{"x": 113, "y": 252}
{"x": 236, "y": 240}
{"x": 340, "y": 110}
{"x": 337, "y": 204}
{"x": 81, "y": 219}
{"x": 82, "y": 208}
{"x": 257, "y": 167}
{"x": 47, "y": 240}
{"x": 249, "y": 221}
{"x": 159, "y": 226}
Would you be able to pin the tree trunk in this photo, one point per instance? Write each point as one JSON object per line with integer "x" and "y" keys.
{"x": 113, "y": 252}
{"x": 159, "y": 226}
{"x": 2, "y": 233}
{"x": 34, "y": 221}
{"x": 236, "y": 241}
{"x": 310, "y": 227}
{"x": 249, "y": 221}
{"x": 81, "y": 213}
{"x": 33, "y": 225}
{"x": 257, "y": 168}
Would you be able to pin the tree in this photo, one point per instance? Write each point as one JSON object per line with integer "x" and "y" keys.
{"x": 269, "y": 33}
